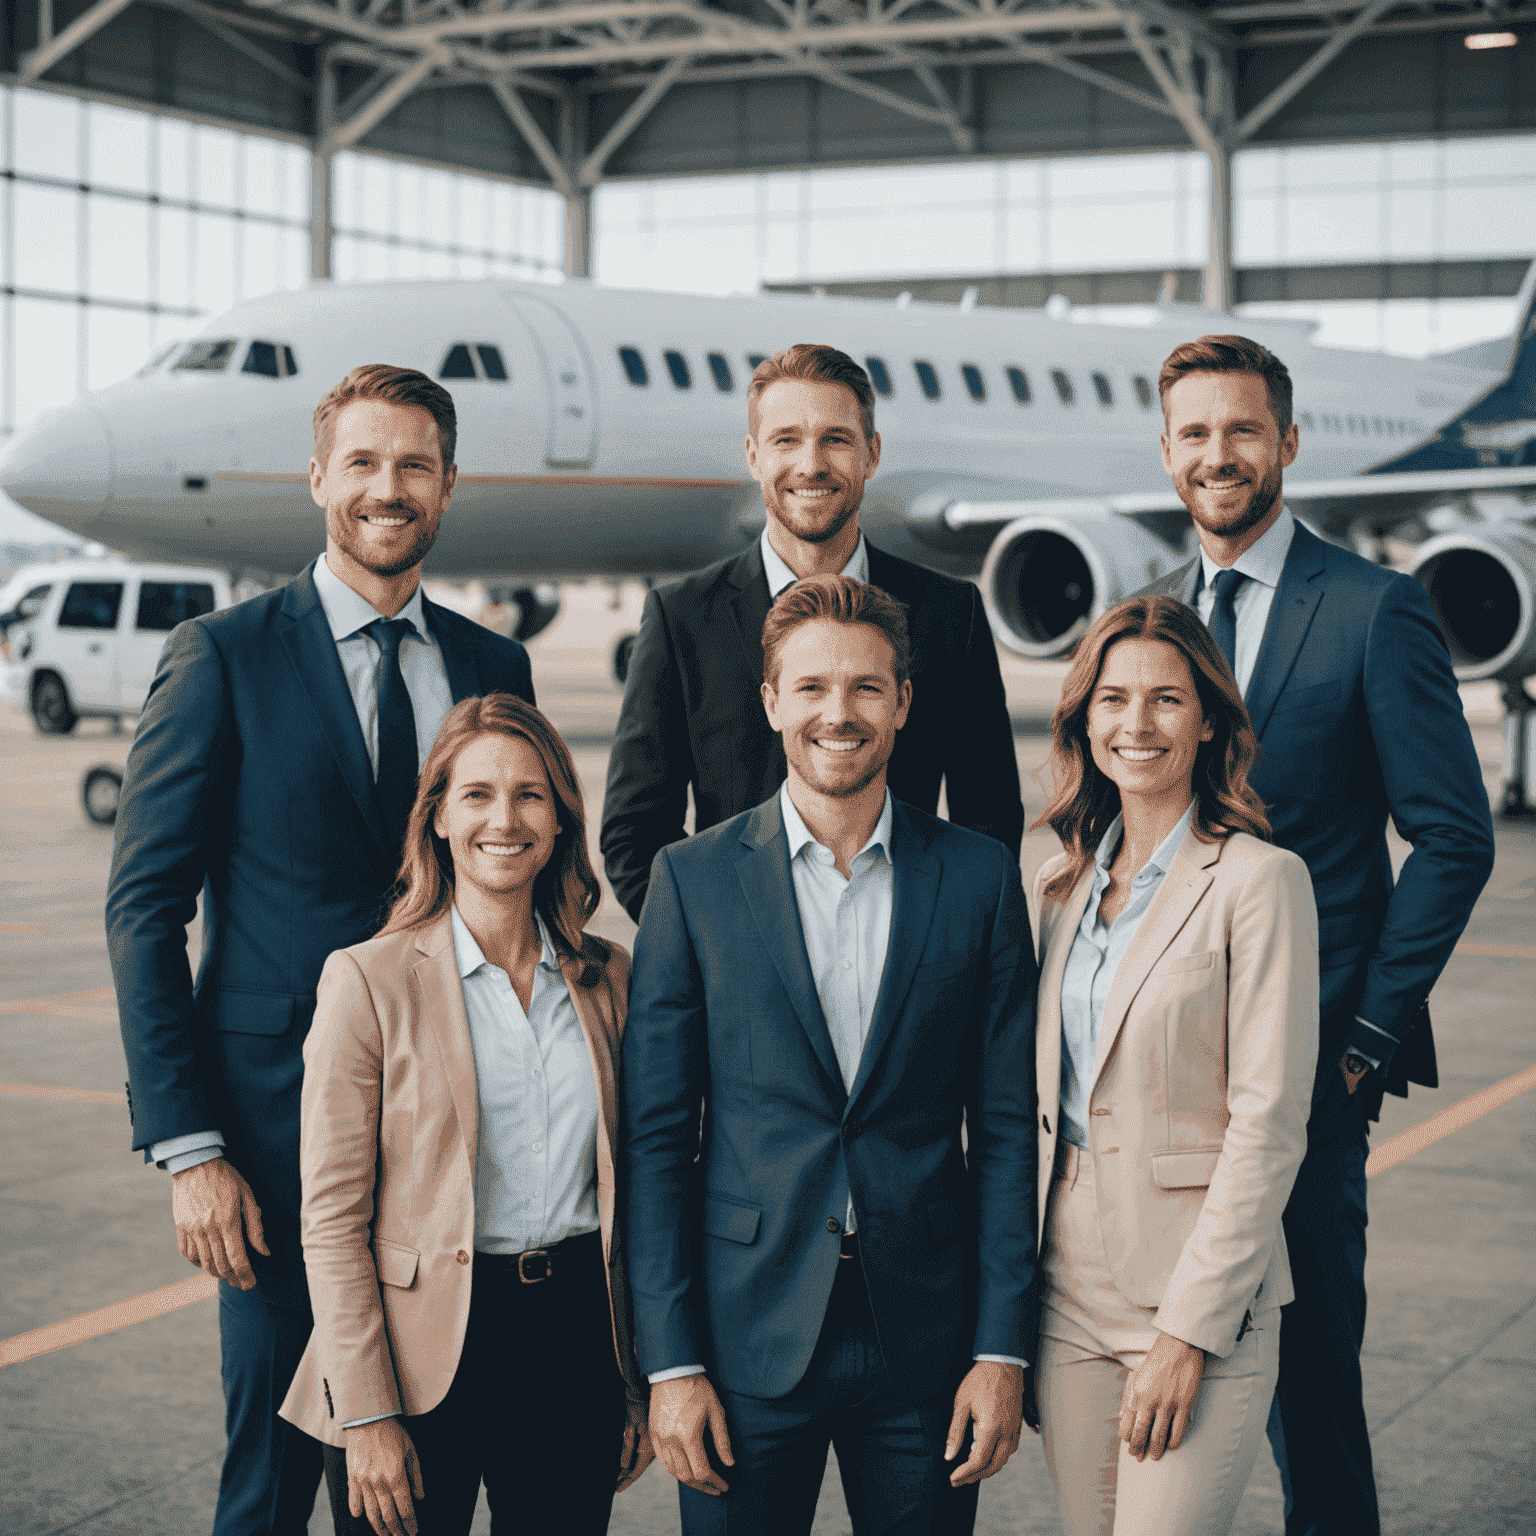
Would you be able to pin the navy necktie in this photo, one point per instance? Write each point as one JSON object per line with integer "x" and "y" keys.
{"x": 1223, "y": 617}
{"x": 396, "y": 776}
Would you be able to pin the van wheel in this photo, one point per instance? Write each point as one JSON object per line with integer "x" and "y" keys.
{"x": 51, "y": 709}
{"x": 100, "y": 790}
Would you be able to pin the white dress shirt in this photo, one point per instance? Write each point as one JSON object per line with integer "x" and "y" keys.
{"x": 426, "y": 681}
{"x": 1095, "y": 956}
{"x": 780, "y": 575}
{"x": 1262, "y": 562}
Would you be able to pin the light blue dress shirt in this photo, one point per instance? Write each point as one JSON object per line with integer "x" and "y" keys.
{"x": 426, "y": 681}
{"x": 1262, "y": 563}
{"x": 780, "y": 576}
{"x": 1091, "y": 965}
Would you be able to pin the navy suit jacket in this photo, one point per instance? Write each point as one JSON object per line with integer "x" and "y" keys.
{"x": 733, "y": 1241}
{"x": 1357, "y": 712}
{"x": 249, "y": 783}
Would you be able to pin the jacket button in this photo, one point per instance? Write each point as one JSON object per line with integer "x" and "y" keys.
{"x": 462, "y": 1257}
{"x": 833, "y": 1224}
{"x": 853, "y": 1131}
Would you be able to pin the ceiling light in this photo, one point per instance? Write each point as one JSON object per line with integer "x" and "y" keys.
{"x": 1490, "y": 40}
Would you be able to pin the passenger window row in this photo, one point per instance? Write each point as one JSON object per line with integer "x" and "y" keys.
{"x": 632, "y": 360}
{"x": 1361, "y": 426}
{"x": 271, "y": 359}
{"x": 474, "y": 360}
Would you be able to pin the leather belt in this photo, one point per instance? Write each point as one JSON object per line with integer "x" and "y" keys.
{"x": 535, "y": 1265}
{"x": 850, "y": 1247}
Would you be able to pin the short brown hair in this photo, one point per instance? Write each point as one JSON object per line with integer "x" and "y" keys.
{"x": 398, "y": 386}
{"x": 817, "y": 364}
{"x": 1229, "y": 354}
{"x": 844, "y": 600}
{"x": 1086, "y": 802}
{"x": 565, "y": 891}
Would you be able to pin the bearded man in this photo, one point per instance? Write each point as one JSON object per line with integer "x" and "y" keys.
{"x": 691, "y": 717}
{"x": 272, "y": 772}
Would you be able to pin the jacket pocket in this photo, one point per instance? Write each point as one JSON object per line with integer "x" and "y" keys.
{"x": 737, "y": 1223}
{"x": 249, "y": 1013}
{"x": 1184, "y": 1167}
{"x": 1178, "y": 963}
{"x": 1306, "y": 698}
{"x": 395, "y": 1263}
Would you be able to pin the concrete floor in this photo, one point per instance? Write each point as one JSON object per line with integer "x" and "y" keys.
{"x": 122, "y": 1435}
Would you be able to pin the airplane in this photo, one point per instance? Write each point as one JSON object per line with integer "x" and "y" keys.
{"x": 600, "y": 433}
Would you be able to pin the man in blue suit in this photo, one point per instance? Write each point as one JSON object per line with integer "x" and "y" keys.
{"x": 272, "y": 771}
{"x": 1349, "y": 685}
{"x": 837, "y": 981}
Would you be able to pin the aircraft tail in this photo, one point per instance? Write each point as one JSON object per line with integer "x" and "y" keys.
{"x": 1498, "y": 430}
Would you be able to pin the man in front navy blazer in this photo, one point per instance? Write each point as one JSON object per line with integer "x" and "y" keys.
{"x": 837, "y": 980}
{"x": 270, "y": 770}
{"x": 1351, "y": 692}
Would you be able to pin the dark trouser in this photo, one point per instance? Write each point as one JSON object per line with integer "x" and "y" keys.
{"x": 1325, "y": 1457}
{"x": 536, "y": 1409}
{"x": 271, "y": 1470}
{"x": 891, "y": 1454}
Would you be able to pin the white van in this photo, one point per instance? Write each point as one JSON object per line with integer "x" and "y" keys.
{"x": 80, "y": 639}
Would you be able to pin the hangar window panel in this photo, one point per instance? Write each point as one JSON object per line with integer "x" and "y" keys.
{"x": 722, "y": 373}
{"x": 677, "y": 366}
{"x": 879, "y": 376}
{"x": 263, "y": 358}
{"x": 211, "y": 355}
{"x": 260, "y": 257}
{"x": 270, "y": 179}
{"x": 218, "y": 167}
{"x": 45, "y": 134}
{"x": 173, "y": 251}
{"x": 491, "y": 364}
{"x": 634, "y": 366}
{"x": 117, "y": 248}
{"x": 118, "y": 148}
{"x": 116, "y": 341}
{"x": 1102, "y": 389}
{"x": 458, "y": 364}
{"x": 1018, "y": 382}
{"x": 46, "y": 359}
{"x": 1064, "y": 391}
{"x": 47, "y": 247}
{"x": 176, "y": 158}
{"x": 974, "y": 383}
{"x": 165, "y": 604}
{"x": 927, "y": 378}
{"x": 91, "y": 605}
{"x": 1144, "y": 391}
{"x": 216, "y": 275}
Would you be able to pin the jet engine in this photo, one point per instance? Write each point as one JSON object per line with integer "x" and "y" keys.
{"x": 1481, "y": 582}
{"x": 534, "y": 609}
{"x": 1050, "y": 573}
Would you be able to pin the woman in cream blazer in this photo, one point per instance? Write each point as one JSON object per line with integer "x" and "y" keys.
{"x": 441, "y": 1358}
{"x": 1176, "y": 1044}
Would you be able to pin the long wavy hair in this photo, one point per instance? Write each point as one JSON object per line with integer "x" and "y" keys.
{"x": 1086, "y": 801}
{"x": 565, "y": 891}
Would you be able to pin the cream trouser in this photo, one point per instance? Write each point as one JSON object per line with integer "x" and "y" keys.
{"x": 1092, "y": 1340}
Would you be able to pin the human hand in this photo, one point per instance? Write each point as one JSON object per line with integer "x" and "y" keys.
{"x": 1352, "y": 1080}
{"x": 383, "y": 1476}
{"x": 991, "y": 1398}
{"x": 215, "y": 1213}
{"x": 1160, "y": 1396}
{"x": 636, "y": 1453}
{"x": 681, "y": 1409}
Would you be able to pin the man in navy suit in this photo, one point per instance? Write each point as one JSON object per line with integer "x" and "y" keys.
{"x": 1350, "y": 688}
{"x": 836, "y": 980}
{"x": 271, "y": 773}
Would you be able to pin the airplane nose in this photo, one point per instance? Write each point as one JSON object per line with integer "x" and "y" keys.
{"x": 61, "y": 467}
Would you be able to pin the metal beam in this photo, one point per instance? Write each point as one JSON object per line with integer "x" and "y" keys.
{"x": 369, "y": 116}
{"x": 40, "y": 60}
{"x": 321, "y": 217}
{"x": 210, "y": 21}
{"x": 523, "y": 120}
{"x": 965, "y": 140}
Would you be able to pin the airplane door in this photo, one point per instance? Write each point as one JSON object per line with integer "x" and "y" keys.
{"x": 568, "y": 375}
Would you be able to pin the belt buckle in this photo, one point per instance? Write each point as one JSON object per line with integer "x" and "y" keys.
{"x": 545, "y": 1256}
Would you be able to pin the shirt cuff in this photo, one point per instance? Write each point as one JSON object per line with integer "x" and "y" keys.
{"x": 675, "y": 1374}
{"x": 1371, "y": 1041}
{"x": 356, "y": 1423}
{"x": 1003, "y": 1360}
{"x": 173, "y": 1153}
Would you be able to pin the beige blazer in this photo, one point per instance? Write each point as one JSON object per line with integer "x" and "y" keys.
{"x": 1202, "y": 1081}
{"x": 390, "y": 1115}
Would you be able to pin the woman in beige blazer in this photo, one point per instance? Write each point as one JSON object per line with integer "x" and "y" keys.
{"x": 1175, "y": 1047}
{"x": 459, "y": 1121}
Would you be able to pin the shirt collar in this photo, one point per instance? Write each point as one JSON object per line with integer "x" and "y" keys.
{"x": 799, "y": 834}
{"x": 469, "y": 957}
{"x": 346, "y": 612}
{"x": 780, "y": 575}
{"x": 1162, "y": 857}
{"x": 1264, "y": 560}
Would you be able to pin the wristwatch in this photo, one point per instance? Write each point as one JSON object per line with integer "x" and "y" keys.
{"x": 1355, "y": 1064}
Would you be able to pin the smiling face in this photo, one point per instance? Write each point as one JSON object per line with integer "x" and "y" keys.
{"x": 837, "y": 704}
{"x": 383, "y": 487}
{"x": 499, "y": 817}
{"x": 1145, "y": 722}
{"x": 808, "y": 451}
{"x": 1226, "y": 452}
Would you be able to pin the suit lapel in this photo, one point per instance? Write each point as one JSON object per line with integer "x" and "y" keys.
{"x": 1188, "y": 578}
{"x": 1053, "y": 967}
{"x": 1290, "y": 617}
{"x": 441, "y": 997}
{"x": 1176, "y": 898}
{"x": 458, "y": 662}
{"x": 762, "y": 866}
{"x": 749, "y": 605}
{"x": 593, "y": 1007}
{"x": 312, "y": 651}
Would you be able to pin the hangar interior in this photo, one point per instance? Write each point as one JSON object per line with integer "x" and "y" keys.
{"x": 1368, "y": 163}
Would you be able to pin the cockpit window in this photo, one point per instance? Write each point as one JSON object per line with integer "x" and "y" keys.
{"x": 206, "y": 357}
{"x": 157, "y": 357}
{"x": 271, "y": 359}
{"x": 458, "y": 364}
{"x": 290, "y": 359}
{"x": 491, "y": 364}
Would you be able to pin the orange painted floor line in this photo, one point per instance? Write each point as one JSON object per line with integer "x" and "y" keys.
{"x": 97, "y": 997}
{"x": 69, "y": 1095}
{"x": 1498, "y": 951}
{"x": 1404, "y": 1145}
{"x": 120, "y": 1314}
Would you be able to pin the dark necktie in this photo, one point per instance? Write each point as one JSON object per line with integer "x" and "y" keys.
{"x": 396, "y": 776}
{"x": 1223, "y": 616}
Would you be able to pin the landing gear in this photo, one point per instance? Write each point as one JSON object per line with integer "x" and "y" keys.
{"x": 1519, "y": 749}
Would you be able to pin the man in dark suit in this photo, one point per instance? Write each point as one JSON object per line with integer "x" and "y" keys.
{"x": 844, "y": 979}
{"x": 273, "y": 768}
{"x": 1350, "y": 688}
{"x": 690, "y": 714}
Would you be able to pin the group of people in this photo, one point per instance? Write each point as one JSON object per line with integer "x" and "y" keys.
{"x": 848, "y": 1154}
